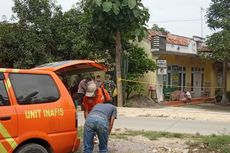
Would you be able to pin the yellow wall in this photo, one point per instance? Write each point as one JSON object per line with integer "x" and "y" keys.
{"x": 150, "y": 77}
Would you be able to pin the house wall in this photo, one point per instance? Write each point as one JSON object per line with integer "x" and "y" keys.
{"x": 191, "y": 48}
{"x": 150, "y": 77}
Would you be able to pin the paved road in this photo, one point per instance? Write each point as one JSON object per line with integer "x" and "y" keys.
{"x": 169, "y": 125}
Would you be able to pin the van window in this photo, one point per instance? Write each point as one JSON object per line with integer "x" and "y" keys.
{"x": 4, "y": 100}
{"x": 34, "y": 88}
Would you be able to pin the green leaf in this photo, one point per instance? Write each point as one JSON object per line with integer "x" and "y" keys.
{"x": 124, "y": 3}
{"x": 98, "y": 2}
{"x": 116, "y": 9}
{"x": 132, "y": 3}
{"x": 136, "y": 13}
{"x": 137, "y": 32}
{"x": 107, "y": 6}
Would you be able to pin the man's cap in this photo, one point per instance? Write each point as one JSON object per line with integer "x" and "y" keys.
{"x": 91, "y": 87}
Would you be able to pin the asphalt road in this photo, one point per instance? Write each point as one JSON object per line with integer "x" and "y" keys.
{"x": 168, "y": 125}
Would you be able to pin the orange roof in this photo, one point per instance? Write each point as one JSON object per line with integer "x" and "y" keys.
{"x": 177, "y": 40}
{"x": 171, "y": 38}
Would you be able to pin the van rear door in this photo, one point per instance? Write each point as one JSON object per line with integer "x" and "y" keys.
{"x": 79, "y": 66}
{"x": 8, "y": 118}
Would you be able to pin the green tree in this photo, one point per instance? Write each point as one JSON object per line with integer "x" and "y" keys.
{"x": 43, "y": 34}
{"x": 218, "y": 16}
{"x": 159, "y": 29}
{"x": 70, "y": 33}
{"x": 29, "y": 41}
{"x": 121, "y": 19}
{"x": 20, "y": 48}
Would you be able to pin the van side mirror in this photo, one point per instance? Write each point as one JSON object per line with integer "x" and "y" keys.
{"x": 2, "y": 76}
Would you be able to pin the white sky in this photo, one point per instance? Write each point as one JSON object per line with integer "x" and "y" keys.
{"x": 180, "y": 17}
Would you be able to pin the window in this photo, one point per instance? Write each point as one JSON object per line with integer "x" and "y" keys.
{"x": 158, "y": 43}
{"x": 34, "y": 88}
{"x": 182, "y": 77}
{"x": 162, "y": 46}
{"x": 197, "y": 77}
{"x": 169, "y": 79}
{"x": 202, "y": 79}
{"x": 192, "y": 80}
{"x": 176, "y": 76}
{"x": 180, "y": 81}
{"x": 169, "y": 83}
{"x": 155, "y": 43}
{"x": 4, "y": 99}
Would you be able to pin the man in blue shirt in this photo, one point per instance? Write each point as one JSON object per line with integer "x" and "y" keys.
{"x": 100, "y": 121}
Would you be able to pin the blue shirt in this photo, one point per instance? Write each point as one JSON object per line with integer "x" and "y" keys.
{"x": 104, "y": 110}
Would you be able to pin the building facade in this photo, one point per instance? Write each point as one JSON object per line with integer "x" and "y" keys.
{"x": 179, "y": 66}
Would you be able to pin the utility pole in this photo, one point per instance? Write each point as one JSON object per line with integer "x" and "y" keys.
{"x": 201, "y": 20}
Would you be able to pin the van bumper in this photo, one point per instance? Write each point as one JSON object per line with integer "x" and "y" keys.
{"x": 76, "y": 144}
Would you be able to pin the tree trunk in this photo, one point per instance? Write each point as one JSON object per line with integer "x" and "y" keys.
{"x": 224, "y": 96}
{"x": 118, "y": 70}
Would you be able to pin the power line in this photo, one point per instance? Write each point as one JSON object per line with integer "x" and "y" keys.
{"x": 171, "y": 21}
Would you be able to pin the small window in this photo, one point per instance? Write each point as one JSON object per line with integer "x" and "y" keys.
{"x": 34, "y": 88}
{"x": 4, "y": 99}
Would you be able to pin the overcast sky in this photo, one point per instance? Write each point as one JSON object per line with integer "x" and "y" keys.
{"x": 181, "y": 17}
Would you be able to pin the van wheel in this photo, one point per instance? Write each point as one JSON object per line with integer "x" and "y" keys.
{"x": 31, "y": 148}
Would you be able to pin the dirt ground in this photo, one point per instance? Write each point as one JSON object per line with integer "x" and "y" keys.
{"x": 140, "y": 144}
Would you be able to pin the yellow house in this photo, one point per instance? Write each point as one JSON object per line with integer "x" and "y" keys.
{"x": 180, "y": 67}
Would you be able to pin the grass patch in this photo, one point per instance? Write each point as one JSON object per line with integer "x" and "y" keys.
{"x": 119, "y": 136}
{"x": 151, "y": 135}
{"x": 217, "y": 143}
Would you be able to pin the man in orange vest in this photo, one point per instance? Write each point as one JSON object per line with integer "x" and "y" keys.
{"x": 94, "y": 95}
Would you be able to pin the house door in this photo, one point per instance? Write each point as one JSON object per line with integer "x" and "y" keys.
{"x": 197, "y": 83}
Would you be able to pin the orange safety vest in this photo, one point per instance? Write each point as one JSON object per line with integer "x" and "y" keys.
{"x": 90, "y": 102}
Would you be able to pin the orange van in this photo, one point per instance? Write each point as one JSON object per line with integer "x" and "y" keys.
{"x": 37, "y": 113}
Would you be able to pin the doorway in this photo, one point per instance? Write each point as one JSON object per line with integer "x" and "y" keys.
{"x": 197, "y": 81}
